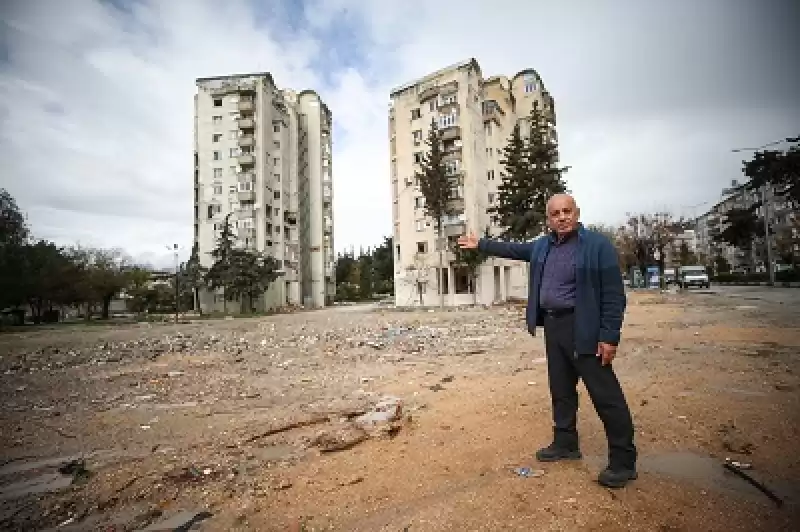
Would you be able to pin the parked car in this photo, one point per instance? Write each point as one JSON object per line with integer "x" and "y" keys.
{"x": 689, "y": 276}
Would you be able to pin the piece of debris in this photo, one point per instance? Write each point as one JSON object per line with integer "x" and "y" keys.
{"x": 527, "y": 472}
{"x": 734, "y": 442}
{"x": 449, "y": 378}
{"x": 183, "y": 521}
{"x": 436, "y": 387}
{"x": 339, "y": 439}
{"x": 75, "y": 469}
{"x": 729, "y": 465}
{"x": 740, "y": 465}
{"x": 352, "y": 480}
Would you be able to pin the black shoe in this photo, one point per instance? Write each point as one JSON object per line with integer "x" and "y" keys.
{"x": 554, "y": 453}
{"x": 616, "y": 478}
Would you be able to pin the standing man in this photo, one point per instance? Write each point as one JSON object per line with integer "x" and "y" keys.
{"x": 576, "y": 292}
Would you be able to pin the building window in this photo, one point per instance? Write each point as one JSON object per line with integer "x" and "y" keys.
{"x": 530, "y": 83}
{"x": 276, "y": 128}
{"x": 217, "y": 102}
{"x": 446, "y": 100}
{"x": 245, "y": 186}
{"x": 422, "y": 247}
{"x": 491, "y": 198}
{"x": 276, "y": 161}
{"x": 217, "y": 156}
{"x": 277, "y": 177}
{"x": 418, "y": 157}
{"x": 217, "y": 173}
{"x": 420, "y": 225}
{"x": 452, "y": 167}
{"x": 432, "y": 105}
{"x": 277, "y": 144}
{"x": 419, "y": 202}
{"x": 232, "y": 189}
{"x": 415, "y": 114}
{"x": 234, "y": 134}
{"x": 216, "y": 119}
{"x": 277, "y": 194}
{"x": 216, "y": 137}
{"x": 448, "y": 120}
{"x": 417, "y": 136}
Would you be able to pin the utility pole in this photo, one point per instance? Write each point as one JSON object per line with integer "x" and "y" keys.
{"x": 174, "y": 249}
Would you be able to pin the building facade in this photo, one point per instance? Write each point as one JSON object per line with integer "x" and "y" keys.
{"x": 262, "y": 157}
{"x": 476, "y": 116}
{"x": 782, "y": 216}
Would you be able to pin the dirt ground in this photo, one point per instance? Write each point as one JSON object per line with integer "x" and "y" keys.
{"x": 259, "y": 422}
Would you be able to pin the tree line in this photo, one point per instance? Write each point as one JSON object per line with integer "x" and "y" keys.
{"x": 363, "y": 276}
{"x": 531, "y": 175}
{"x": 42, "y": 278}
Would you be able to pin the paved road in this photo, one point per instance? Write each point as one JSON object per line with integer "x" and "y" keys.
{"x": 749, "y": 294}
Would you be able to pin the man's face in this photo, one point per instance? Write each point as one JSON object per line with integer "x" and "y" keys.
{"x": 562, "y": 214}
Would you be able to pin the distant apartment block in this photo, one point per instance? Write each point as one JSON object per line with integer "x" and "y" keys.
{"x": 476, "y": 116}
{"x": 263, "y": 155}
{"x": 710, "y": 225}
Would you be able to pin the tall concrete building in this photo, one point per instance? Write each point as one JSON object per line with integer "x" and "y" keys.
{"x": 476, "y": 116}
{"x": 263, "y": 156}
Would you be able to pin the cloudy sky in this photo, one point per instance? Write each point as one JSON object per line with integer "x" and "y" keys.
{"x": 96, "y": 97}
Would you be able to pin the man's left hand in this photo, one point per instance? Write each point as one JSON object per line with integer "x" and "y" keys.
{"x": 606, "y": 353}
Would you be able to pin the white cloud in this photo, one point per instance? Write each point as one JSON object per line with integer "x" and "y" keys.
{"x": 97, "y": 104}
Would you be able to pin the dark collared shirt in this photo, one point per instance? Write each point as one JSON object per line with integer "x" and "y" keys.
{"x": 558, "y": 276}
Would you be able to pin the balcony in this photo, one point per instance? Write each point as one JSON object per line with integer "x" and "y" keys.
{"x": 457, "y": 204}
{"x": 493, "y": 113}
{"x": 327, "y": 192}
{"x": 428, "y": 93}
{"x": 247, "y": 140}
{"x": 246, "y": 123}
{"x": 244, "y": 214}
{"x": 246, "y": 159}
{"x": 246, "y": 232}
{"x": 247, "y": 195}
{"x": 246, "y": 105}
{"x": 452, "y": 132}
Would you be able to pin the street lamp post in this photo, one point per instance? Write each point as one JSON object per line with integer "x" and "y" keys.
{"x": 174, "y": 249}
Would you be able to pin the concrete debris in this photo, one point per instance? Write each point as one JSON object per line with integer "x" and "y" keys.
{"x": 183, "y": 521}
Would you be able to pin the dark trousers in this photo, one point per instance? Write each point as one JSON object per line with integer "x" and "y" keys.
{"x": 564, "y": 368}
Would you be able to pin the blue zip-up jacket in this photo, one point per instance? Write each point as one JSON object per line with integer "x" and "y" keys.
{"x": 599, "y": 296}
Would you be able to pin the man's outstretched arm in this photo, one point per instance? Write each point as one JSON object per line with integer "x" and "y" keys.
{"x": 506, "y": 250}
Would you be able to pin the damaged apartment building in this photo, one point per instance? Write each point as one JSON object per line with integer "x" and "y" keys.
{"x": 476, "y": 116}
{"x": 263, "y": 156}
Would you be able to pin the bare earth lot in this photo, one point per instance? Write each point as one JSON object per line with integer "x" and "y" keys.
{"x": 263, "y": 423}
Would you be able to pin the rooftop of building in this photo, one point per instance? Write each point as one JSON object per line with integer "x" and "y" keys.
{"x": 237, "y": 76}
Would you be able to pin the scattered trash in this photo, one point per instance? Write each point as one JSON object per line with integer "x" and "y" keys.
{"x": 527, "y": 472}
{"x": 740, "y": 465}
